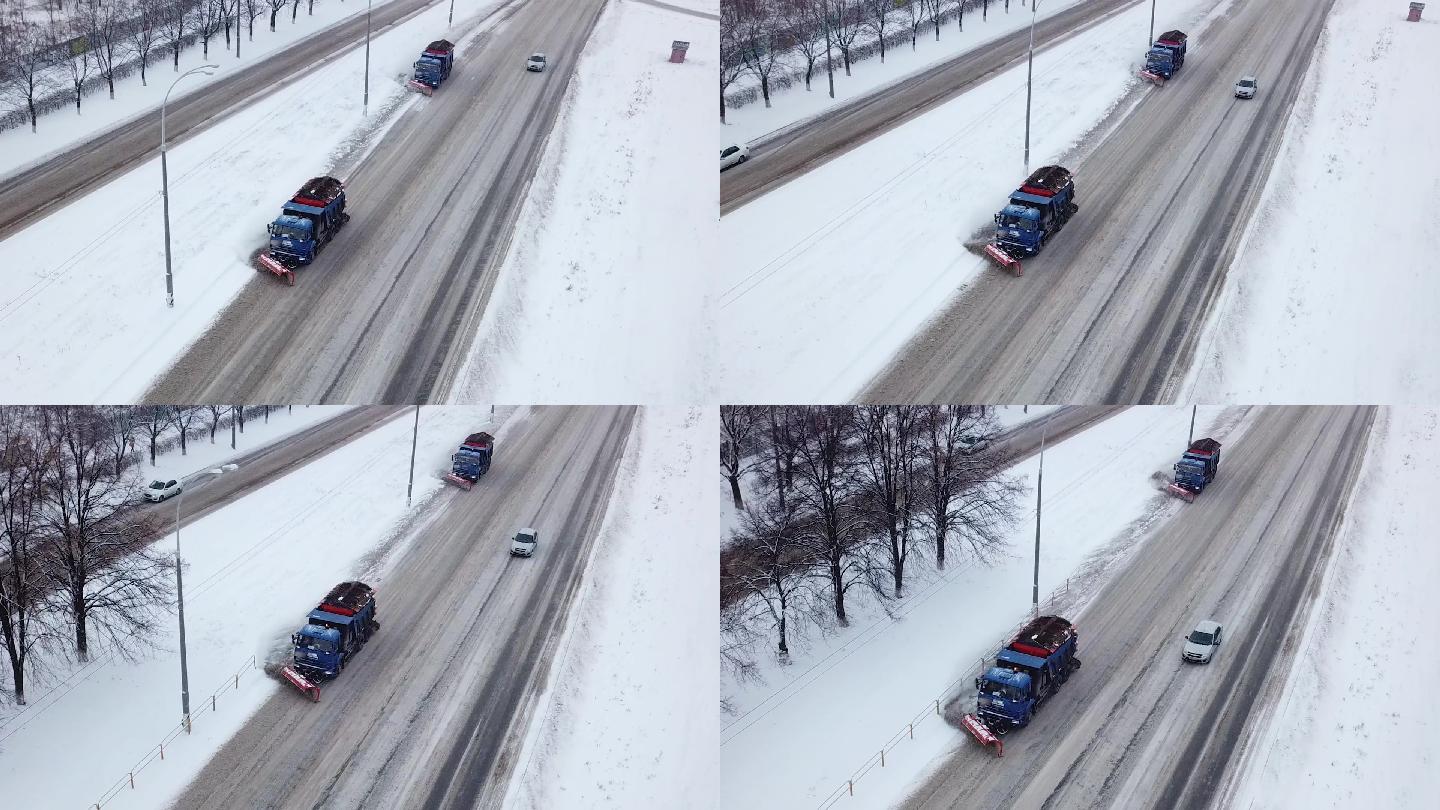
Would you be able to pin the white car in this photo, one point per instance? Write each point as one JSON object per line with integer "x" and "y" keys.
{"x": 1201, "y": 643}
{"x": 733, "y": 155}
{"x": 523, "y": 544}
{"x": 536, "y": 62}
{"x": 972, "y": 444}
{"x": 1246, "y": 87}
{"x": 161, "y": 490}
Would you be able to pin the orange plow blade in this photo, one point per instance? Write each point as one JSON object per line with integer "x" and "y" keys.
{"x": 277, "y": 269}
{"x": 983, "y": 734}
{"x": 301, "y": 682}
{"x": 1182, "y": 493}
{"x": 1005, "y": 260}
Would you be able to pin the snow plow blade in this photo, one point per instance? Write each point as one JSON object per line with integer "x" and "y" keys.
{"x": 301, "y": 682}
{"x": 983, "y": 734}
{"x": 1154, "y": 78}
{"x": 420, "y": 87}
{"x": 1005, "y": 260}
{"x": 1181, "y": 493}
{"x": 463, "y": 483}
{"x": 276, "y": 268}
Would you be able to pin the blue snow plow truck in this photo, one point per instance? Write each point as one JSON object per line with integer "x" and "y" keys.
{"x": 1165, "y": 57}
{"x": 1196, "y": 469}
{"x": 334, "y": 632}
{"x": 1037, "y": 211}
{"x": 472, "y": 460}
{"x": 1027, "y": 671}
{"x": 433, "y": 66}
{"x": 307, "y": 223}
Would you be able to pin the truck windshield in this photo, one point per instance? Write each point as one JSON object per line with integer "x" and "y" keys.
{"x": 317, "y": 644}
{"x": 1004, "y": 690}
{"x": 290, "y": 231}
{"x": 1012, "y": 221}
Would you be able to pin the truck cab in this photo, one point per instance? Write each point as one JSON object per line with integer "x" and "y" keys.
{"x": 293, "y": 237}
{"x": 1006, "y": 699}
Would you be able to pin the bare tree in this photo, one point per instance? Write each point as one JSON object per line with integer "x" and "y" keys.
{"x": 769, "y": 578}
{"x": 121, "y": 435}
{"x": 25, "y": 61}
{"x": 105, "y": 20}
{"x": 209, "y": 17}
{"x": 805, "y": 21}
{"x": 184, "y": 417}
{"x": 822, "y": 440}
{"x": 78, "y": 63}
{"x": 737, "y": 424}
{"x": 848, "y": 19}
{"x": 916, "y": 10}
{"x": 732, "y": 65}
{"x": 877, "y": 18}
{"x": 178, "y": 15}
{"x": 934, "y": 9}
{"x": 967, "y": 493}
{"x": 145, "y": 31}
{"x": 758, "y": 34}
{"x": 251, "y": 10}
{"x": 151, "y": 421}
{"x": 95, "y": 558}
{"x": 275, "y": 6}
{"x": 215, "y": 414}
{"x": 887, "y": 479}
{"x": 21, "y": 494}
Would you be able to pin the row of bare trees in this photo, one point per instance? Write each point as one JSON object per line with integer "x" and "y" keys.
{"x": 74, "y": 558}
{"x": 98, "y": 41}
{"x": 842, "y": 498}
{"x": 766, "y": 39}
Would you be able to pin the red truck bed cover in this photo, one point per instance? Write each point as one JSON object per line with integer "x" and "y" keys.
{"x": 480, "y": 440}
{"x": 440, "y": 46}
{"x": 319, "y": 191}
{"x": 1204, "y": 447}
{"x": 347, "y": 598}
{"x": 1172, "y": 38}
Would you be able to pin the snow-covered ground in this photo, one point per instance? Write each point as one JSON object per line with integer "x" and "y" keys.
{"x": 1346, "y": 233}
{"x": 82, "y": 298}
{"x": 61, "y": 129}
{"x": 615, "y": 254}
{"x": 628, "y": 719}
{"x": 791, "y": 105}
{"x": 1355, "y": 725}
{"x": 800, "y": 734}
{"x": 813, "y": 269}
{"x": 260, "y": 552}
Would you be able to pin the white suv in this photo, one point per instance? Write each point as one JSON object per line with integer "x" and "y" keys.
{"x": 523, "y": 544}
{"x": 1246, "y": 87}
{"x": 536, "y": 62}
{"x": 1201, "y": 643}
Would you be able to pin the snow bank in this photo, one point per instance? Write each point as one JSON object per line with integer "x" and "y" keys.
{"x": 1348, "y": 729}
{"x": 614, "y": 248}
{"x": 628, "y": 718}
{"x": 1345, "y": 234}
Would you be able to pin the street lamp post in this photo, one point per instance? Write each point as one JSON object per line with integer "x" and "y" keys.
{"x": 414, "y": 441}
{"x": 366, "y": 102}
{"x": 451, "y": 21}
{"x": 180, "y": 599}
{"x": 165, "y": 180}
{"x": 1039, "y": 484}
{"x": 1029, "y": 73}
{"x": 1151, "y": 41}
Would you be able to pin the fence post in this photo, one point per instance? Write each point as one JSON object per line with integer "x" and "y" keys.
{"x": 212, "y": 703}
{"x": 882, "y": 757}
{"x": 912, "y": 731}
{"x": 132, "y": 780}
{"x": 162, "y": 750}
{"x": 850, "y": 783}
{"x": 937, "y": 707}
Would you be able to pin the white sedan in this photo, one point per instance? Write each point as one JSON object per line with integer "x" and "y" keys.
{"x": 536, "y": 62}
{"x": 161, "y": 490}
{"x": 733, "y": 155}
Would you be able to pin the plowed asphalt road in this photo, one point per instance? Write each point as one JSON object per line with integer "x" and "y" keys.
{"x": 28, "y": 194}
{"x": 384, "y": 314}
{"x": 1110, "y": 312}
{"x": 785, "y": 155}
{"x": 429, "y": 713}
{"x": 1135, "y": 727}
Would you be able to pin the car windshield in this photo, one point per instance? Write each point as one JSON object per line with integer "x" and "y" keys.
{"x": 157, "y": 484}
{"x": 729, "y": 150}
{"x": 1201, "y": 637}
{"x": 524, "y": 538}
{"x": 1247, "y": 83}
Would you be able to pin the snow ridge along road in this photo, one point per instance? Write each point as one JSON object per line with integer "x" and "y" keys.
{"x": 28, "y": 194}
{"x": 385, "y": 314}
{"x": 1136, "y": 727}
{"x": 441, "y": 695}
{"x": 789, "y": 153}
{"x": 1110, "y": 312}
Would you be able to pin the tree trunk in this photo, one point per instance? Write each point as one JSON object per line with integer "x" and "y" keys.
{"x": 735, "y": 490}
